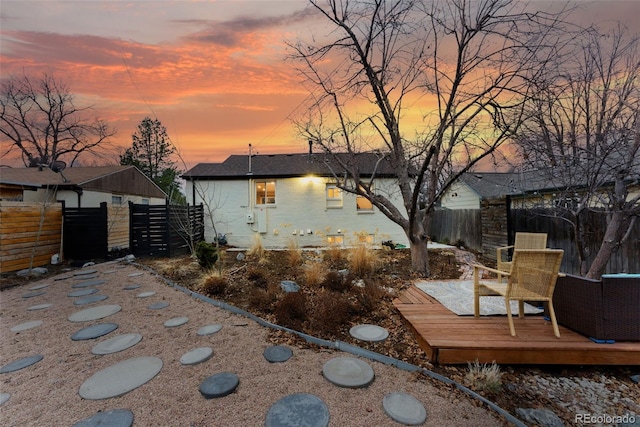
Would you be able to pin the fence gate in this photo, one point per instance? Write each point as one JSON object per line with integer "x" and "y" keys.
{"x": 85, "y": 233}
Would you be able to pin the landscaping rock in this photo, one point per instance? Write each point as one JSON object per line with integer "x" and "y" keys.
{"x": 289, "y": 286}
{"x": 541, "y": 417}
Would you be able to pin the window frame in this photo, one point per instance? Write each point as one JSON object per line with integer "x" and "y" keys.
{"x": 265, "y": 198}
{"x": 334, "y": 202}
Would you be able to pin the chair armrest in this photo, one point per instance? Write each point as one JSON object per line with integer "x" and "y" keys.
{"x": 502, "y": 249}
{"x": 492, "y": 270}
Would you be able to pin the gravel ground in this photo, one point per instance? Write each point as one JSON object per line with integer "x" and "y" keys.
{"x": 47, "y": 392}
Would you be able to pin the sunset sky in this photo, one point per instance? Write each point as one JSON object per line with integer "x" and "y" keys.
{"x": 214, "y": 73}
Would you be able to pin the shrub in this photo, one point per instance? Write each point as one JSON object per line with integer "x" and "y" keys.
{"x": 207, "y": 254}
{"x": 336, "y": 282}
{"x": 291, "y": 310}
{"x": 258, "y": 278}
{"x": 263, "y": 299}
{"x": 330, "y": 313}
{"x": 313, "y": 273}
{"x": 334, "y": 254}
{"x": 213, "y": 284}
{"x": 368, "y": 298}
{"x": 362, "y": 260}
{"x": 484, "y": 377}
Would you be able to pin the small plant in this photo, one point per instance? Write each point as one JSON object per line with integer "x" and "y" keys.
{"x": 368, "y": 298}
{"x": 258, "y": 278}
{"x": 263, "y": 300}
{"x": 334, "y": 254}
{"x": 291, "y": 310}
{"x": 207, "y": 254}
{"x": 484, "y": 377}
{"x": 257, "y": 250}
{"x": 294, "y": 253}
{"x": 362, "y": 260}
{"x": 213, "y": 284}
{"x": 335, "y": 282}
{"x": 330, "y": 312}
{"x": 314, "y": 273}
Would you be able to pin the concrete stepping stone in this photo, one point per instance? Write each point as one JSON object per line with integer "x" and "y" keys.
{"x": 110, "y": 271}
{"x": 94, "y": 313}
{"x": 298, "y": 409}
{"x": 348, "y": 372}
{"x": 209, "y": 329}
{"x": 25, "y": 362}
{"x": 371, "y": 333}
{"x": 94, "y": 331}
{"x": 196, "y": 356}
{"x": 89, "y": 276}
{"x": 84, "y": 272}
{"x": 404, "y": 409}
{"x": 120, "y": 378}
{"x": 131, "y": 287}
{"x": 82, "y": 292}
{"x": 112, "y": 418}
{"x": 4, "y": 397}
{"x": 158, "y": 305}
{"x": 116, "y": 344}
{"x": 39, "y": 306}
{"x": 139, "y": 273}
{"x": 146, "y": 294}
{"x": 88, "y": 284}
{"x": 56, "y": 279}
{"x": 90, "y": 299}
{"x": 40, "y": 286}
{"x": 27, "y": 325}
{"x": 219, "y": 385}
{"x": 277, "y": 354}
{"x": 33, "y": 294}
{"x": 176, "y": 321}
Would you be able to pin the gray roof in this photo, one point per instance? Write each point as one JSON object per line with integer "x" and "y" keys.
{"x": 290, "y": 165}
{"x": 496, "y": 184}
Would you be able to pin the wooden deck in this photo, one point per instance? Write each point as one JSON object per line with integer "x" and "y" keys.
{"x": 451, "y": 339}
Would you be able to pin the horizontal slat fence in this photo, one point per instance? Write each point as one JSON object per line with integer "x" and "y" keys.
{"x": 118, "y": 226}
{"x": 30, "y": 233}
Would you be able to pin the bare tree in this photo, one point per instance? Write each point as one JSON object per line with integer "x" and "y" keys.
{"x": 38, "y": 118}
{"x": 463, "y": 64}
{"x": 583, "y": 133}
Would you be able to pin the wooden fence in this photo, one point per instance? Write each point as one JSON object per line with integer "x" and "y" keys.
{"x": 463, "y": 226}
{"x": 30, "y": 233}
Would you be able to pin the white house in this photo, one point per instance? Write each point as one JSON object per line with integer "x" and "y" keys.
{"x": 292, "y": 196}
{"x": 80, "y": 186}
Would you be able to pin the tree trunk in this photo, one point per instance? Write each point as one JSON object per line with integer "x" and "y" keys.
{"x": 609, "y": 242}
{"x": 420, "y": 255}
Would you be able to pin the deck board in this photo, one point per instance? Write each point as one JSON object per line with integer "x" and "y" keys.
{"x": 448, "y": 338}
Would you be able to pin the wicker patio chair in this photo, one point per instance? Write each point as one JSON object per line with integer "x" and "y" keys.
{"x": 522, "y": 241}
{"x": 532, "y": 278}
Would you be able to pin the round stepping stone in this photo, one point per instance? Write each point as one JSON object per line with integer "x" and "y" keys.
{"x": 139, "y": 273}
{"x": 146, "y": 294}
{"x": 27, "y": 325}
{"x": 33, "y": 294}
{"x": 55, "y": 279}
{"x": 120, "y": 378}
{"x": 25, "y": 362}
{"x": 90, "y": 299}
{"x": 158, "y": 305}
{"x": 404, "y": 409}
{"x": 89, "y": 276}
{"x": 116, "y": 344}
{"x": 82, "y": 292}
{"x": 112, "y": 418}
{"x": 84, "y": 272}
{"x": 94, "y": 313}
{"x": 110, "y": 271}
{"x": 348, "y": 372}
{"x": 277, "y": 354}
{"x": 196, "y": 356}
{"x": 219, "y": 385}
{"x": 41, "y": 286}
{"x": 176, "y": 321}
{"x": 209, "y": 329}
{"x": 4, "y": 397}
{"x": 299, "y": 409}
{"x": 88, "y": 284}
{"x": 39, "y": 307}
{"x": 131, "y": 287}
{"x": 94, "y": 331}
{"x": 370, "y": 333}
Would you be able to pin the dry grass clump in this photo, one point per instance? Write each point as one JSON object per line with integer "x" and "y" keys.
{"x": 363, "y": 260}
{"x": 213, "y": 283}
{"x": 484, "y": 377}
{"x": 257, "y": 249}
{"x": 291, "y": 310}
{"x": 258, "y": 278}
{"x": 314, "y": 273}
{"x": 293, "y": 253}
{"x": 176, "y": 268}
{"x": 336, "y": 282}
{"x": 264, "y": 299}
{"x": 334, "y": 254}
{"x": 330, "y": 312}
{"x": 368, "y": 298}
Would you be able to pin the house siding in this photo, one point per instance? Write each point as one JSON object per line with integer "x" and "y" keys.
{"x": 460, "y": 196}
{"x": 301, "y": 206}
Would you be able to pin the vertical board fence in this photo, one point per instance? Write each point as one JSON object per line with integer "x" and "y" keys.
{"x": 457, "y": 226}
{"x": 86, "y": 233}
{"x": 164, "y": 230}
{"x": 30, "y": 233}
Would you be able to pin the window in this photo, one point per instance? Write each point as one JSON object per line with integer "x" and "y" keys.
{"x": 334, "y": 196}
{"x": 363, "y": 204}
{"x": 265, "y": 192}
{"x": 335, "y": 240}
{"x": 116, "y": 200}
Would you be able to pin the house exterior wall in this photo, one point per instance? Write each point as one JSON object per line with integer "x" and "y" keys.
{"x": 460, "y": 196}
{"x": 88, "y": 199}
{"x": 301, "y": 206}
